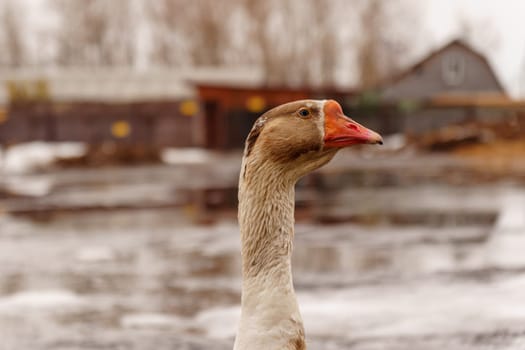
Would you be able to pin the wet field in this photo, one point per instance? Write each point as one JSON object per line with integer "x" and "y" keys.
{"x": 112, "y": 259}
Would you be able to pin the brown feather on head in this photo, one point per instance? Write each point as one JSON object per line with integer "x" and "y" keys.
{"x": 285, "y": 130}
{"x": 305, "y": 131}
{"x": 254, "y": 134}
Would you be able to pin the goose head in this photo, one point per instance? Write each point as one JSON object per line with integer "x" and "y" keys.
{"x": 298, "y": 137}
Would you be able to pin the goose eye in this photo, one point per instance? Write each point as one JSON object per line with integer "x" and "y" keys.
{"x": 303, "y": 112}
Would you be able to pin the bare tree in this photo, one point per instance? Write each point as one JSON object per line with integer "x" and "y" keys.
{"x": 193, "y": 32}
{"x": 210, "y": 42}
{"x": 259, "y": 45}
{"x": 95, "y": 32}
{"x": 168, "y": 21}
{"x": 327, "y": 41}
{"x": 13, "y": 51}
{"x": 368, "y": 65}
{"x": 293, "y": 41}
{"x": 388, "y": 36}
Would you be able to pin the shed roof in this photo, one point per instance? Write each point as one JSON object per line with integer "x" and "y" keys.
{"x": 126, "y": 84}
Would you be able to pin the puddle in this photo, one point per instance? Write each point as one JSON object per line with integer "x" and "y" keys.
{"x": 409, "y": 275}
{"x": 377, "y": 281}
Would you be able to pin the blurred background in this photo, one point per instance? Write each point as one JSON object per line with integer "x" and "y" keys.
{"x": 122, "y": 124}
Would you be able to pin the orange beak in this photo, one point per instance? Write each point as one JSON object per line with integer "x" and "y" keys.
{"x": 341, "y": 131}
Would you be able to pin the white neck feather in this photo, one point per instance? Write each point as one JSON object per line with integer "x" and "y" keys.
{"x": 270, "y": 317}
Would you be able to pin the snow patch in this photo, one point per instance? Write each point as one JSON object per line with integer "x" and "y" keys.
{"x": 511, "y": 216}
{"x": 184, "y": 156}
{"x": 43, "y": 299}
{"x": 95, "y": 254}
{"x": 10, "y": 227}
{"x": 219, "y": 323}
{"x": 387, "y": 311}
{"x": 28, "y": 156}
{"x": 152, "y": 320}
{"x": 28, "y": 186}
{"x": 394, "y": 142}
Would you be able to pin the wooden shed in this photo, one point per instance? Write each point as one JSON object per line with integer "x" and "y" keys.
{"x": 230, "y": 111}
{"x": 96, "y": 106}
{"x": 152, "y": 123}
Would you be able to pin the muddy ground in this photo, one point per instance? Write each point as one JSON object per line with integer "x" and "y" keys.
{"x": 403, "y": 264}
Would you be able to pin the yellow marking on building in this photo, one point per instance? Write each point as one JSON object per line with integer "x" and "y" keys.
{"x": 3, "y": 115}
{"x": 189, "y": 108}
{"x": 255, "y": 104}
{"x": 120, "y": 129}
{"x": 41, "y": 90}
{"x": 28, "y": 90}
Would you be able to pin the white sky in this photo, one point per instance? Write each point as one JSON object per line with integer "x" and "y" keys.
{"x": 501, "y": 34}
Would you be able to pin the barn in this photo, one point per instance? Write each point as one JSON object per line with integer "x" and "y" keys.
{"x": 444, "y": 88}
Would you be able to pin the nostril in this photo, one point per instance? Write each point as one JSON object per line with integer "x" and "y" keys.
{"x": 352, "y": 126}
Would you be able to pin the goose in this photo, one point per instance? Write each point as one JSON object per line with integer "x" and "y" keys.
{"x": 284, "y": 144}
